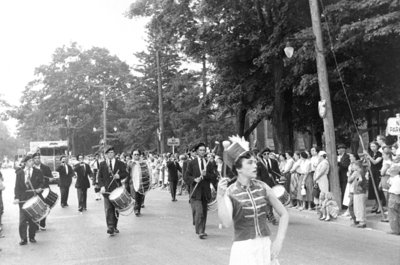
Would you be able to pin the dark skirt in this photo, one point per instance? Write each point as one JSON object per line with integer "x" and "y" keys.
{"x": 371, "y": 192}
{"x": 309, "y": 183}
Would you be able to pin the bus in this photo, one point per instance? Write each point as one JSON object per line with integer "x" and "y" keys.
{"x": 50, "y": 152}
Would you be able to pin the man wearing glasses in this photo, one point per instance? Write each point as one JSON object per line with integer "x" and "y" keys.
{"x": 198, "y": 177}
{"x": 111, "y": 172}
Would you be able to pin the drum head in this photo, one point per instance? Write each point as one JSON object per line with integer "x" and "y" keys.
{"x": 116, "y": 193}
{"x": 30, "y": 202}
{"x": 278, "y": 190}
{"x": 45, "y": 192}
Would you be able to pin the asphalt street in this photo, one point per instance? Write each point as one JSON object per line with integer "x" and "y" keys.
{"x": 164, "y": 234}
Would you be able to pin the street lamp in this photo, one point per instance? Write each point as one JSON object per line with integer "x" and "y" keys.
{"x": 289, "y": 50}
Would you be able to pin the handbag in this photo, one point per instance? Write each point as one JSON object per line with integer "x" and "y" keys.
{"x": 316, "y": 190}
{"x": 303, "y": 191}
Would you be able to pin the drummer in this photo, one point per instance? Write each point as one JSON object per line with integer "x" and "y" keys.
{"x": 110, "y": 173}
{"x": 244, "y": 204}
{"x": 29, "y": 182}
{"x": 46, "y": 171}
{"x": 138, "y": 171}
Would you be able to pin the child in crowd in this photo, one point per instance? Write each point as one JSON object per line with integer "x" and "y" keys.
{"x": 360, "y": 195}
{"x": 394, "y": 198}
{"x": 321, "y": 199}
{"x": 329, "y": 208}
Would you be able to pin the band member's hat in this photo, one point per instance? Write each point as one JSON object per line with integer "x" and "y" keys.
{"x": 266, "y": 150}
{"x": 110, "y": 148}
{"x": 238, "y": 147}
{"x": 36, "y": 154}
{"x": 197, "y": 146}
{"x": 341, "y": 146}
{"x": 61, "y": 157}
{"x": 26, "y": 158}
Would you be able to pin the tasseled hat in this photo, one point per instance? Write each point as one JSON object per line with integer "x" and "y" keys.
{"x": 234, "y": 148}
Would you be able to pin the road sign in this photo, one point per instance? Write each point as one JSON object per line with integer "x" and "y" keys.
{"x": 173, "y": 141}
{"x": 393, "y": 126}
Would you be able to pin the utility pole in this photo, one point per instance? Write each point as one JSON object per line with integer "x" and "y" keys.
{"x": 160, "y": 103}
{"x": 104, "y": 119}
{"x": 327, "y": 117}
{"x": 204, "y": 120}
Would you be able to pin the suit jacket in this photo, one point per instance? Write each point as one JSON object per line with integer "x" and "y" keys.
{"x": 173, "y": 168}
{"x": 82, "y": 175}
{"x": 268, "y": 174}
{"x": 65, "y": 179}
{"x": 46, "y": 171}
{"x": 203, "y": 191}
{"x": 343, "y": 167}
{"x": 105, "y": 176}
{"x": 20, "y": 191}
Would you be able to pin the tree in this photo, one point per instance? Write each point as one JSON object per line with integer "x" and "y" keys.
{"x": 66, "y": 96}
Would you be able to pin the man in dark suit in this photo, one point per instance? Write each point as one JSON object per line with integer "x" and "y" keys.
{"x": 198, "y": 177}
{"x": 343, "y": 163}
{"x": 268, "y": 172}
{"x": 66, "y": 173}
{"x": 83, "y": 172}
{"x": 46, "y": 171}
{"x": 173, "y": 169}
{"x": 29, "y": 181}
{"x": 111, "y": 172}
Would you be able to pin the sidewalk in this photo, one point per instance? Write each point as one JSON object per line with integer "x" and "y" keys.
{"x": 373, "y": 219}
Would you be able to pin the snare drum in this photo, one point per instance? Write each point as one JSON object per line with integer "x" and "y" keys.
{"x": 281, "y": 193}
{"x": 50, "y": 197}
{"x": 36, "y": 208}
{"x": 121, "y": 199}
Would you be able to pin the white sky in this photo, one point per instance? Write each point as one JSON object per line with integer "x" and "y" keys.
{"x": 32, "y": 29}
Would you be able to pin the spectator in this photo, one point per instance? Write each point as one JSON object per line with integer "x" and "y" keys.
{"x": 314, "y": 158}
{"x": 383, "y": 185}
{"x": 394, "y": 199}
{"x": 282, "y": 162}
{"x": 286, "y": 170}
{"x": 294, "y": 180}
{"x": 318, "y": 207}
{"x": 343, "y": 163}
{"x": 349, "y": 193}
{"x": 305, "y": 182}
{"x": 321, "y": 172}
{"x": 329, "y": 208}
{"x": 381, "y": 140}
{"x": 360, "y": 196}
{"x": 374, "y": 161}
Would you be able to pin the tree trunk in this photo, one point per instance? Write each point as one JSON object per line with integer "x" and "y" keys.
{"x": 281, "y": 116}
{"x": 241, "y": 120}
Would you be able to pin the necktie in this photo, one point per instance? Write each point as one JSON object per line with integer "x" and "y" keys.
{"x": 202, "y": 163}
{"x": 111, "y": 165}
{"x": 28, "y": 179}
{"x": 66, "y": 169}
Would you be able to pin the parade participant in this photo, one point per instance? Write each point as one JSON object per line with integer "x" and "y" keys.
{"x": 83, "y": 172}
{"x": 244, "y": 204}
{"x": 265, "y": 167}
{"x": 46, "y": 171}
{"x": 138, "y": 172}
{"x": 66, "y": 173}
{"x": 198, "y": 177}
{"x": 29, "y": 181}
{"x": 173, "y": 169}
{"x": 95, "y": 165}
{"x": 111, "y": 172}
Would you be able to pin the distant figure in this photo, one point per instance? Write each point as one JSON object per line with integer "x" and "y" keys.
{"x": 83, "y": 172}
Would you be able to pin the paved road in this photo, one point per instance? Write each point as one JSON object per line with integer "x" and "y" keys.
{"x": 164, "y": 235}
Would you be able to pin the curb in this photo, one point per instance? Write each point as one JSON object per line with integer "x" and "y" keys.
{"x": 373, "y": 220}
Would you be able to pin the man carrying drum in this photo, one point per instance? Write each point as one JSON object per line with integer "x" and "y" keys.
{"x": 28, "y": 183}
{"x": 46, "y": 171}
{"x": 139, "y": 180}
{"x": 111, "y": 172}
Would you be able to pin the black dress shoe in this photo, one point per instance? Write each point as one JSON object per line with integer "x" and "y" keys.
{"x": 23, "y": 242}
{"x": 32, "y": 240}
{"x": 116, "y": 230}
{"x": 202, "y": 236}
{"x": 110, "y": 231}
{"x": 143, "y": 206}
